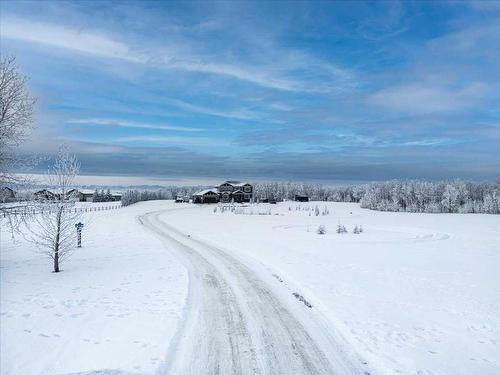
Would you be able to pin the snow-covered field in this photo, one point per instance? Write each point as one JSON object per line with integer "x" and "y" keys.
{"x": 412, "y": 294}
{"x": 115, "y": 305}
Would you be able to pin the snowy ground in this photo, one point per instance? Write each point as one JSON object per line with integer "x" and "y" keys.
{"x": 414, "y": 293}
{"x": 116, "y": 304}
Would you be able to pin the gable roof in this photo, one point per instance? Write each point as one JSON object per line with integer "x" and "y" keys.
{"x": 235, "y": 183}
{"x": 203, "y": 192}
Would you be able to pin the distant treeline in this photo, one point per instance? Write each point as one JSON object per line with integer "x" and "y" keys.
{"x": 403, "y": 196}
{"x": 316, "y": 192}
{"x": 421, "y": 196}
{"x": 170, "y": 192}
{"x": 102, "y": 196}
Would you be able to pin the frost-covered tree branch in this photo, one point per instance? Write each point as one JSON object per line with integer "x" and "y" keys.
{"x": 16, "y": 120}
{"x": 51, "y": 228}
{"x": 16, "y": 117}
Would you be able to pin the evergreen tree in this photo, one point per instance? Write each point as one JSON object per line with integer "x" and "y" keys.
{"x": 95, "y": 196}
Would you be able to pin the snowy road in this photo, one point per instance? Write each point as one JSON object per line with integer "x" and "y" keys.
{"x": 235, "y": 323}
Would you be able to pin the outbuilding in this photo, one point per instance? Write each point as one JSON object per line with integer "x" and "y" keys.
{"x": 7, "y": 194}
{"x": 206, "y": 196}
{"x": 45, "y": 194}
{"x": 301, "y": 198}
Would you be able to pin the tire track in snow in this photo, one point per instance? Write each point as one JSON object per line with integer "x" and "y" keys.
{"x": 235, "y": 323}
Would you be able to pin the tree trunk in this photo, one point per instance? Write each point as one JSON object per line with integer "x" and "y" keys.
{"x": 56, "y": 244}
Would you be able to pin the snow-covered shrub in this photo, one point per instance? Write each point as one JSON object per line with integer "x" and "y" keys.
{"x": 341, "y": 229}
{"x": 316, "y": 211}
{"x": 356, "y": 229}
{"x": 321, "y": 229}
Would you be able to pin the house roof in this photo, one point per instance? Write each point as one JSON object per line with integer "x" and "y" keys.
{"x": 236, "y": 183}
{"x": 203, "y": 192}
{"x": 43, "y": 191}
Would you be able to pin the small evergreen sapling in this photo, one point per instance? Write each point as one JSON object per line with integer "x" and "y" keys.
{"x": 321, "y": 229}
{"x": 341, "y": 229}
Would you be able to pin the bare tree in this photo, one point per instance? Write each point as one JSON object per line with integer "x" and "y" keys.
{"x": 52, "y": 227}
{"x": 16, "y": 120}
{"x": 16, "y": 116}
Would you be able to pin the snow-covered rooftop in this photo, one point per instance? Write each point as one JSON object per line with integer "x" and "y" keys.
{"x": 203, "y": 192}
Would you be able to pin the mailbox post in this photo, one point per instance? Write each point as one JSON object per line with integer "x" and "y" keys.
{"x": 79, "y": 227}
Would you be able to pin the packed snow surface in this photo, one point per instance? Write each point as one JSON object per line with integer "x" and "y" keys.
{"x": 413, "y": 293}
{"x": 115, "y": 305}
{"x": 158, "y": 282}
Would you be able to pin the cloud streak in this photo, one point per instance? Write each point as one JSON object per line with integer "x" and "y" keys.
{"x": 67, "y": 38}
{"x": 167, "y": 140}
{"x": 105, "y": 46}
{"x": 425, "y": 98}
{"x": 130, "y": 124}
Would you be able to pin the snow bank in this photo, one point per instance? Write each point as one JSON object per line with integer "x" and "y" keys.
{"x": 116, "y": 304}
{"x": 415, "y": 293}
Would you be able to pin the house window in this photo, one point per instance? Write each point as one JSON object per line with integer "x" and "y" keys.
{"x": 248, "y": 189}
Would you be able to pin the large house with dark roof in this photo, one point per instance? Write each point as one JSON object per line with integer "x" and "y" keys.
{"x": 229, "y": 191}
{"x": 235, "y": 190}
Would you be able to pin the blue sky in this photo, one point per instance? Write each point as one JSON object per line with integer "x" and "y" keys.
{"x": 276, "y": 90}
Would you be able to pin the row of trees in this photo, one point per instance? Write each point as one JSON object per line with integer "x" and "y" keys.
{"x": 422, "y": 196}
{"x": 101, "y": 196}
{"x": 316, "y": 192}
{"x": 169, "y": 192}
{"x": 405, "y": 196}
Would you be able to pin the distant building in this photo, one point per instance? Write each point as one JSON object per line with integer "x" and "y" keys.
{"x": 229, "y": 191}
{"x": 206, "y": 196}
{"x": 45, "y": 194}
{"x": 86, "y": 196}
{"x": 235, "y": 190}
{"x": 181, "y": 199}
{"x": 301, "y": 198}
{"x": 75, "y": 195}
{"x": 7, "y": 194}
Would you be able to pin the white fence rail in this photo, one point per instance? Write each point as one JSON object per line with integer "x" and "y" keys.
{"x": 30, "y": 210}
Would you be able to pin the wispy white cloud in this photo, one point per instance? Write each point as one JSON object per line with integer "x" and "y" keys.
{"x": 166, "y": 140}
{"x": 428, "y": 97}
{"x": 256, "y": 76}
{"x": 428, "y": 142}
{"x": 237, "y": 114}
{"x": 279, "y": 75}
{"x": 129, "y": 124}
{"x": 67, "y": 38}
